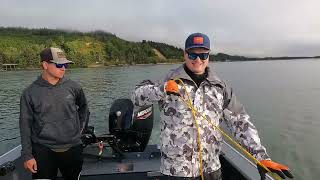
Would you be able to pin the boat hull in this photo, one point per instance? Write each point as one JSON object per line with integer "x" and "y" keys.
{"x": 136, "y": 165}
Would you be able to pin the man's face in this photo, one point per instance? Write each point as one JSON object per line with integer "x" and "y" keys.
{"x": 53, "y": 71}
{"x": 197, "y": 66}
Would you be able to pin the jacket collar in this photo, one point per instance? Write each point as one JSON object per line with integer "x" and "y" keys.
{"x": 181, "y": 73}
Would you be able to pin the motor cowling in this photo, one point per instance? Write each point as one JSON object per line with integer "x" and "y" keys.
{"x": 131, "y": 126}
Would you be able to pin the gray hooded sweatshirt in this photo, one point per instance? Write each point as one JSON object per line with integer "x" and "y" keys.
{"x": 52, "y": 115}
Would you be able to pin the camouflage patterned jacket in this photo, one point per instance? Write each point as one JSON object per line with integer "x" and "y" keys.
{"x": 178, "y": 132}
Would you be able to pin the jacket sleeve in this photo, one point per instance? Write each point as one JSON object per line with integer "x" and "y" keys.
{"x": 25, "y": 123}
{"x": 147, "y": 93}
{"x": 240, "y": 125}
{"x": 83, "y": 110}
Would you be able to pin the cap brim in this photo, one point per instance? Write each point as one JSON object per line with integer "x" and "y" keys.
{"x": 197, "y": 46}
{"x": 62, "y": 61}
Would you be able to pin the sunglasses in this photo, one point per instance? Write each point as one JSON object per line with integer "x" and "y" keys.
{"x": 194, "y": 56}
{"x": 60, "y": 65}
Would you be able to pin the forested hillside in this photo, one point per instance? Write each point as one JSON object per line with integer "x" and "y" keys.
{"x": 22, "y": 46}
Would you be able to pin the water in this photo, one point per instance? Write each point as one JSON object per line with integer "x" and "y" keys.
{"x": 282, "y": 98}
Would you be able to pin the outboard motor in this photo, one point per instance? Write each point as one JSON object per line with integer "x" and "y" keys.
{"x": 131, "y": 126}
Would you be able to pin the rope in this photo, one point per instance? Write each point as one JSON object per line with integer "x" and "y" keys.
{"x": 189, "y": 103}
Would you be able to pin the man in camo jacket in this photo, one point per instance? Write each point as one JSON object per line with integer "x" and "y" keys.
{"x": 210, "y": 96}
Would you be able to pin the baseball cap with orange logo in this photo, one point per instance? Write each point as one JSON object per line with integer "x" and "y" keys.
{"x": 197, "y": 40}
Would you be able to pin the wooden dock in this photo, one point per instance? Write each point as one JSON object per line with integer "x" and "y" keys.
{"x": 9, "y": 67}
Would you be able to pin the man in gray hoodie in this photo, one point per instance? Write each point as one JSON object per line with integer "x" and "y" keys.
{"x": 53, "y": 113}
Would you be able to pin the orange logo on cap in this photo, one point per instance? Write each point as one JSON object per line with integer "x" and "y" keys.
{"x": 198, "y": 40}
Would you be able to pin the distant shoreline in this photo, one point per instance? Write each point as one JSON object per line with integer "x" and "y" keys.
{"x": 96, "y": 49}
{"x": 229, "y": 58}
{"x": 163, "y": 63}
{"x": 95, "y": 66}
{"x": 291, "y": 59}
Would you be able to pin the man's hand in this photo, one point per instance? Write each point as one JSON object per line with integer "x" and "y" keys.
{"x": 172, "y": 88}
{"x": 274, "y": 167}
{"x": 31, "y": 165}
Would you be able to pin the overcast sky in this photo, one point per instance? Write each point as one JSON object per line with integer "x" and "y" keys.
{"x": 242, "y": 27}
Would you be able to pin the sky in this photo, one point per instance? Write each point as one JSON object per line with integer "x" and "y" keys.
{"x": 255, "y": 28}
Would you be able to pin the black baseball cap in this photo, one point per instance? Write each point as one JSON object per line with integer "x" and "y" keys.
{"x": 197, "y": 40}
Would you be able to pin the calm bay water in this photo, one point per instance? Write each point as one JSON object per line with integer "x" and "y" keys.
{"x": 282, "y": 97}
